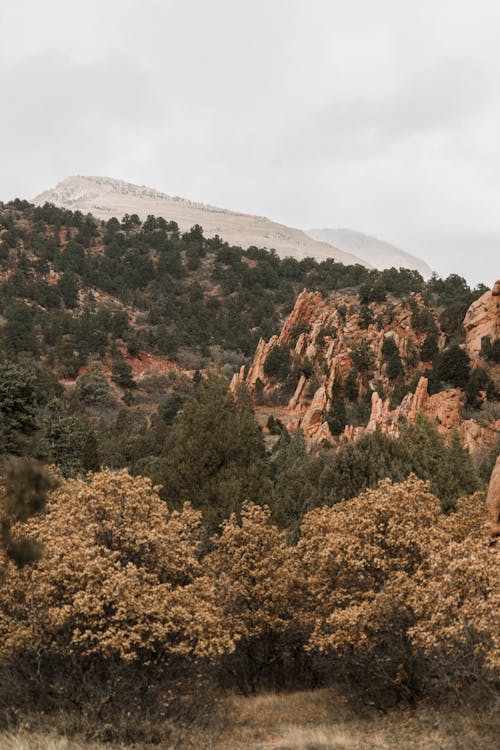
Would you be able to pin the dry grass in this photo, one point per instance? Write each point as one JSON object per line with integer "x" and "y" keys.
{"x": 319, "y": 720}
{"x": 23, "y": 741}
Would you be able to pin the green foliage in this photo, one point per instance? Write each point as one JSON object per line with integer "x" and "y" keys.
{"x": 420, "y": 450}
{"x": 294, "y": 473}
{"x": 278, "y": 364}
{"x": 92, "y": 388}
{"x": 26, "y": 484}
{"x": 18, "y": 404}
{"x": 479, "y": 383}
{"x": 490, "y": 350}
{"x": 453, "y": 366}
{"x": 68, "y": 286}
{"x": 336, "y": 418}
{"x": 362, "y": 357}
{"x": 422, "y": 320}
{"x": 19, "y": 331}
{"x": 448, "y": 468}
{"x": 351, "y": 387}
{"x": 429, "y": 349}
{"x": 67, "y": 440}
{"x": 214, "y": 454}
{"x": 372, "y": 292}
{"x": 392, "y": 359}
{"x": 329, "y": 331}
{"x": 297, "y": 331}
{"x": 121, "y": 374}
{"x": 366, "y": 316}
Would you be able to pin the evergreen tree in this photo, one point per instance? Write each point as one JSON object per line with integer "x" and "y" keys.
{"x": 392, "y": 359}
{"x": 453, "y": 366}
{"x": 121, "y": 374}
{"x": 429, "y": 348}
{"x": 18, "y": 405}
{"x": 295, "y": 474}
{"x": 336, "y": 418}
{"x": 214, "y": 455}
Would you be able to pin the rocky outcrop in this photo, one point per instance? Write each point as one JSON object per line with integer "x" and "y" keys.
{"x": 325, "y": 336}
{"x": 256, "y": 371}
{"x": 443, "y": 408}
{"x": 482, "y": 319}
{"x": 478, "y": 437}
{"x": 307, "y": 309}
{"x": 313, "y": 418}
{"x": 493, "y": 500}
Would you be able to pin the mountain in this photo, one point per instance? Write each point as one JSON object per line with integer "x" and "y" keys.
{"x": 374, "y": 251}
{"x": 105, "y": 197}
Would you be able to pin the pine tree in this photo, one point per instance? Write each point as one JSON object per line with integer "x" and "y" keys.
{"x": 214, "y": 455}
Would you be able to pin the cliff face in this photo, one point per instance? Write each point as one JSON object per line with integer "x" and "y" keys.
{"x": 335, "y": 338}
{"x": 482, "y": 319}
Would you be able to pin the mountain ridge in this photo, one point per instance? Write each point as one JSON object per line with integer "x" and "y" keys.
{"x": 105, "y": 197}
{"x": 379, "y": 253}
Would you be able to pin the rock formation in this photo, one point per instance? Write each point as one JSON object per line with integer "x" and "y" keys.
{"x": 482, "y": 319}
{"x": 493, "y": 500}
{"x": 326, "y": 334}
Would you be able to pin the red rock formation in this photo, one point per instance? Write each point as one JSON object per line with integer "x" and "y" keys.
{"x": 330, "y": 359}
{"x": 444, "y": 408}
{"x": 256, "y": 371}
{"x": 305, "y": 310}
{"x": 482, "y": 319}
{"x": 493, "y": 500}
{"x": 313, "y": 418}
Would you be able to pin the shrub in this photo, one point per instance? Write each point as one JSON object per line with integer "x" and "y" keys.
{"x": 392, "y": 359}
{"x": 490, "y": 350}
{"x": 452, "y": 366}
{"x": 93, "y": 388}
{"x": 120, "y": 578}
{"x": 278, "y": 363}
{"x": 401, "y": 585}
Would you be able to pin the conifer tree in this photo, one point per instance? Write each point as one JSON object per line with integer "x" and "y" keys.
{"x": 214, "y": 455}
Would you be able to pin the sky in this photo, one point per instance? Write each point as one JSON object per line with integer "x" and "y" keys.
{"x": 382, "y": 116}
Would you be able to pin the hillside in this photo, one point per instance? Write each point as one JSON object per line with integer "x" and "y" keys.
{"x": 223, "y": 471}
{"x": 105, "y": 197}
{"x": 117, "y": 317}
{"x": 376, "y": 252}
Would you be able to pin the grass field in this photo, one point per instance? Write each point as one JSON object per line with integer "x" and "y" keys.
{"x": 317, "y": 720}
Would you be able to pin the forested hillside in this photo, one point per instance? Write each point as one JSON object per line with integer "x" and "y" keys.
{"x": 107, "y": 326}
{"x": 222, "y": 465}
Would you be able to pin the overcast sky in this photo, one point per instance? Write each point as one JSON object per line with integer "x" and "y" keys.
{"x": 377, "y": 115}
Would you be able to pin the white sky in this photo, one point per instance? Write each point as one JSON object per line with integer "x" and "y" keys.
{"x": 377, "y": 115}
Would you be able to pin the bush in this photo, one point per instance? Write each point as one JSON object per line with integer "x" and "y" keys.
{"x": 453, "y": 366}
{"x": 378, "y": 589}
{"x": 278, "y": 364}
{"x": 392, "y": 359}
{"x": 92, "y": 388}
{"x": 490, "y": 350}
{"x": 120, "y": 578}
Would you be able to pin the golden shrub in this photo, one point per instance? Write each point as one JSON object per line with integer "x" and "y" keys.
{"x": 390, "y": 565}
{"x": 120, "y": 576}
{"x": 253, "y": 575}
